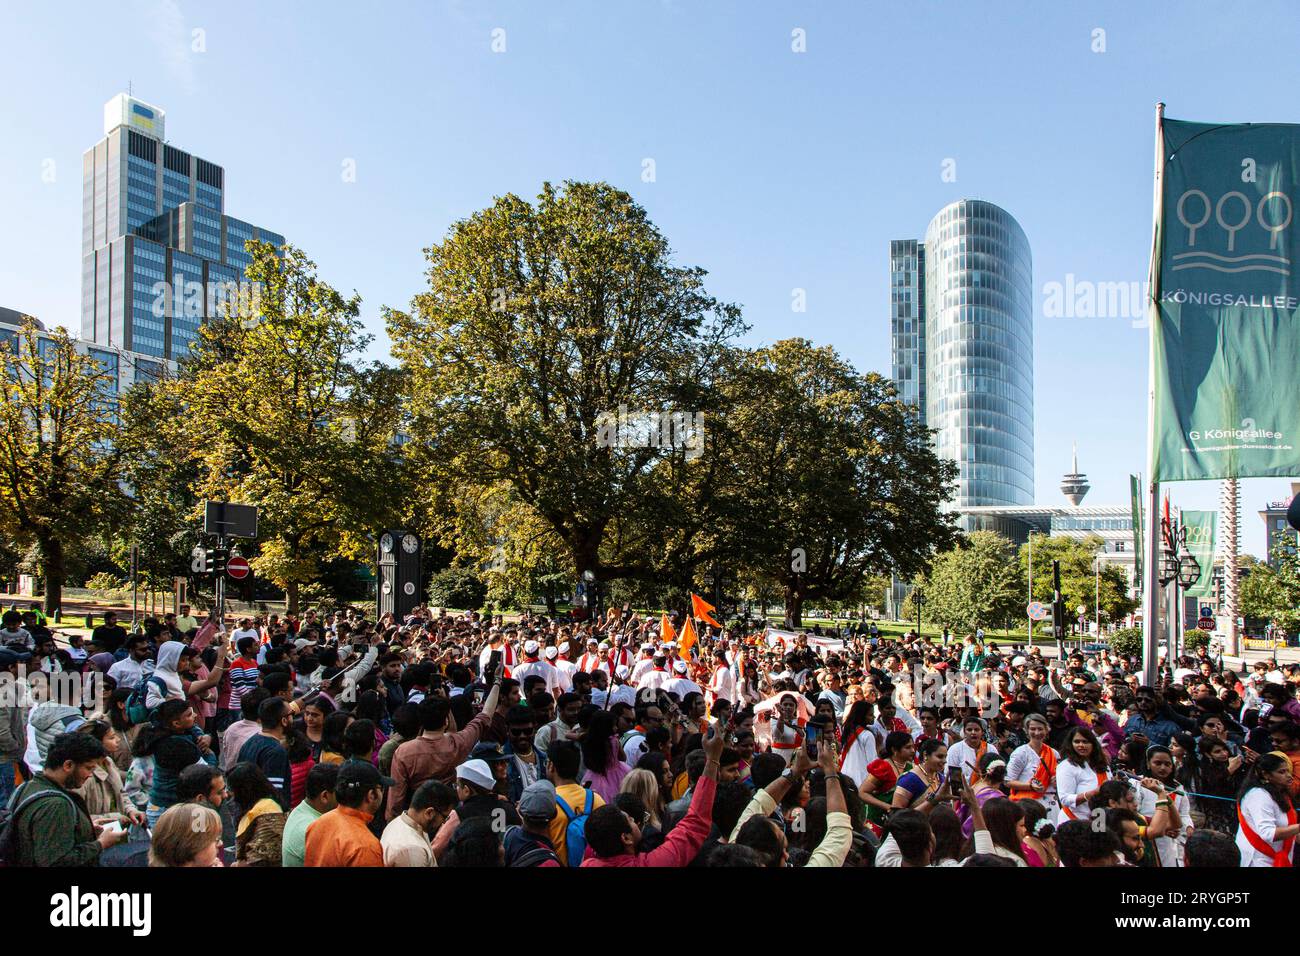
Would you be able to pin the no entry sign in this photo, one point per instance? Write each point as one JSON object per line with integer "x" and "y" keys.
{"x": 237, "y": 567}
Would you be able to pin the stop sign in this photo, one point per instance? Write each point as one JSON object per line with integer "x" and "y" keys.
{"x": 237, "y": 567}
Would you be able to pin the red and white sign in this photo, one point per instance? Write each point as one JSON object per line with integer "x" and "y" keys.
{"x": 237, "y": 567}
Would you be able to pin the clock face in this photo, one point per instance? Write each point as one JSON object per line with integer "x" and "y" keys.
{"x": 386, "y": 543}
{"x": 409, "y": 543}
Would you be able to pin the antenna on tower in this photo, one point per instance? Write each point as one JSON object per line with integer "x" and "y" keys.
{"x": 128, "y": 88}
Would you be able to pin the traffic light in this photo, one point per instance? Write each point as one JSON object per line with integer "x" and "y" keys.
{"x": 217, "y": 559}
{"x": 201, "y": 561}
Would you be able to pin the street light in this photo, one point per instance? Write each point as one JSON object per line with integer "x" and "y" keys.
{"x": 1179, "y": 567}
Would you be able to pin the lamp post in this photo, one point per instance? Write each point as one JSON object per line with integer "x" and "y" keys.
{"x": 1178, "y": 566}
{"x": 918, "y": 599}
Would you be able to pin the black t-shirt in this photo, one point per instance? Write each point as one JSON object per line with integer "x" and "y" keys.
{"x": 109, "y": 636}
{"x": 485, "y": 804}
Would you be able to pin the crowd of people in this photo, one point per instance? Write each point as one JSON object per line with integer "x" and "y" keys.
{"x": 458, "y": 740}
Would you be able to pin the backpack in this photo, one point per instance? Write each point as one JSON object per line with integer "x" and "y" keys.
{"x": 575, "y": 834}
{"x": 535, "y": 857}
{"x": 9, "y": 821}
{"x": 136, "y": 711}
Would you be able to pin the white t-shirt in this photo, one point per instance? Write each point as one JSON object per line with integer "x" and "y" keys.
{"x": 564, "y": 671}
{"x": 540, "y": 669}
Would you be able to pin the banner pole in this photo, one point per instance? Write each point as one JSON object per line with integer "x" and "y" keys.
{"x": 1151, "y": 569}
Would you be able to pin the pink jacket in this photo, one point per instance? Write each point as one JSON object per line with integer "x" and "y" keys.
{"x": 683, "y": 841}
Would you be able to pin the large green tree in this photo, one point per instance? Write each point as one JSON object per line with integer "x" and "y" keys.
{"x": 977, "y": 584}
{"x": 1079, "y": 582}
{"x": 59, "y": 459}
{"x": 1272, "y": 592}
{"x": 547, "y": 335}
{"x": 281, "y": 410}
{"x": 836, "y": 480}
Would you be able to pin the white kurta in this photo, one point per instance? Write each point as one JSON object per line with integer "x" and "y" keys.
{"x": 1021, "y": 768}
{"x": 1071, "y": 781}
{"x": 860, "y": 753}
{"x": 1264, "y": 817}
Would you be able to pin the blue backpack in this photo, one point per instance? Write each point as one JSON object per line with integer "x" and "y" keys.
{"x": 575, "y": 835}
{"x": 136, "y": 711}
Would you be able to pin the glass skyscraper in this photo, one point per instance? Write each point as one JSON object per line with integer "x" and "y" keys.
{"x": 158, "y": 250}
{"x": 963, "y": 347}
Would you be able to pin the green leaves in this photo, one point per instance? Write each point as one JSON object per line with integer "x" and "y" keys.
{"x": 976, "y": 584}
{"x": 283, "y": 412}
{"x": 58, "y": 452}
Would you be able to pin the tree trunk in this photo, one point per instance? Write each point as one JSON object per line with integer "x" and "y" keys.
{"x": 291, "y": 598}
{"x": 53, "y": 571}
{"x": 550, "y": 603}
{"x": 793, "y": 607}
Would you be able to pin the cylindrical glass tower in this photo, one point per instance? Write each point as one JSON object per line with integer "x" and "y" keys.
{"x": 980, "y": 351}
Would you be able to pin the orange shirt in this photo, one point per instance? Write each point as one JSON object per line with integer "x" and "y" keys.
{"x": 340, "y": 838}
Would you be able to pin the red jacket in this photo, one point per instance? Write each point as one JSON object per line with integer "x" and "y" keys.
{"x": 683, "y": 841}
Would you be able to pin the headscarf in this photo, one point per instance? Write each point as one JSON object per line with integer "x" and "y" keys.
{"x": 102, "y": 661}
{"x": 169, "y": 655}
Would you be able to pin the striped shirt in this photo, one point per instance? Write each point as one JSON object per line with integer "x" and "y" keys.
{"x": 243, "y": 678}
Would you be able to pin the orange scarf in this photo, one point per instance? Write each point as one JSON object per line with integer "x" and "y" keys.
{"x": 1280, "y": 857}
{"x": 1045, "y": 774}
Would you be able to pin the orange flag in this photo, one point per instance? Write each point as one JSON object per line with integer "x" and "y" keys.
{"x": 703, "y": 610}
{"x": 688, "y": 640}
{"x": 666, "y": 632}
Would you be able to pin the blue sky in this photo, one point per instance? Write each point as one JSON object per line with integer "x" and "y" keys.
{"x": 774, "y": 170}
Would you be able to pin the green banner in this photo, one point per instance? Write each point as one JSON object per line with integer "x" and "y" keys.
{"x": 1201, "y": 527}
{"x": 1135, "y": 490}
{"x": 1227, "y": 326}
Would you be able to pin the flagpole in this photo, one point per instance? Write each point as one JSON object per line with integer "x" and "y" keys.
{"x": 1151, "y": 569}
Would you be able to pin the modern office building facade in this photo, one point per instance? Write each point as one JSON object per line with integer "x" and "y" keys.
{"x": 963, "y": 347}
{"x": 122, "y": 368}
{"x": 1276, "y": 528}
{"x": 159, "y": 254}
{"x": 907, "y": 320}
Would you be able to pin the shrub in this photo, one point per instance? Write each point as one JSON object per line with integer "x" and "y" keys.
{"x": 457, "y": 588}
{"x": 1195, "y": 638}
{"x": 1127, "y": 642}
{"x": 103, "y": 581}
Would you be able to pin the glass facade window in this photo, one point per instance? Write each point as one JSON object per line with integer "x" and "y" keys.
{"x": 907, "y": 322}
{"x": 107, "y": 385}
{"x": 207, "y": 234}
{"x": 188, "y": 301}
{"x": 978, "y": 329}
{"x": 176, "y": 189}
{"x": 148, "y": 307}
{"x": 141, "y": 192}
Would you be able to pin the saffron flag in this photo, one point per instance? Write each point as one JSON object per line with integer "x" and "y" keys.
{"x": 666, "y": 632}
{"x": 688, "y": 640}
{"x": 1225, "y": 309}
{"x": 703, "y": 610}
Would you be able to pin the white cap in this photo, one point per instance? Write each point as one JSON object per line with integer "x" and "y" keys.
{"x": 564, "y": 647}
{"x": 647, "y": 646}
{"x": 679, "y": 667}
{"x": 531, "y": 647}
{"x": 604, "y": 645}
{"x": 476, "y": 772}
{"x": 1018, "y": 662}
{"x": 551, "y": 652}
{"x": 592, "y": 640}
